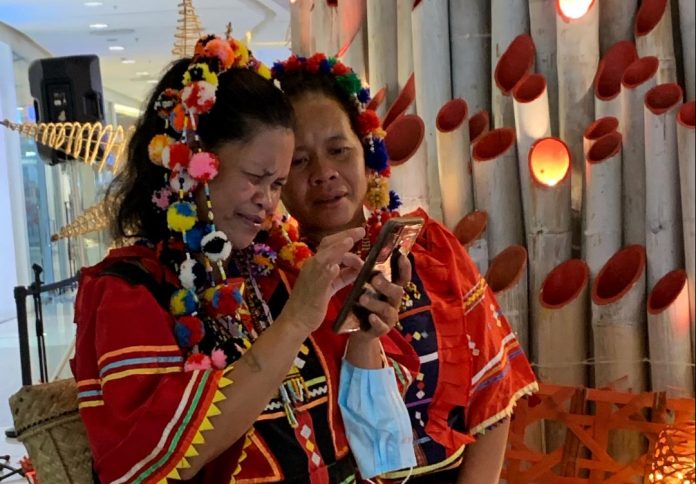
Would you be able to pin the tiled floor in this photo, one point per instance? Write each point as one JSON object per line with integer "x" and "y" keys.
{"x": 59, "y": 332}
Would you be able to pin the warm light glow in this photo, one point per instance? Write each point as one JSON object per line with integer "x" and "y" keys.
{"x": 574, "y": 9}
{"x": 549, "y": 161}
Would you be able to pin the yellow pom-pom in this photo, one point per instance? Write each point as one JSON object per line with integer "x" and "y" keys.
{"x": 156, "y": 146}
{"x": 264, "y": 71}
{"x": 377, "y": 196}
{"x": 181, "y": 216}
{"x": 200, "y": 72}
{"x": 241, "y": 53}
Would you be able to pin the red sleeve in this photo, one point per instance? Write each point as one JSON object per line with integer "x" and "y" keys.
{"x": 143, "y": 413}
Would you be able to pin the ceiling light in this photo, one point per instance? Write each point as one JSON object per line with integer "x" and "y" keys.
{"x": 142, "y": 73}
{"x": 152, "y": 81}
{"x": 93, "y": 4}
{"x": 127, "y": 110}
{"x": 98, "y": 26}
{"x": 116, "y": 48}
{"x": 127, "y": 61}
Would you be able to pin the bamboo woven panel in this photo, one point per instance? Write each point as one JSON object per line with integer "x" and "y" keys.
{"x": 590, "y": 416}
{"x": 48, "y": 424}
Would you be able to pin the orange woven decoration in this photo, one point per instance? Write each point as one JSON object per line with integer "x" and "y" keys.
{"x": 672, "y": 460}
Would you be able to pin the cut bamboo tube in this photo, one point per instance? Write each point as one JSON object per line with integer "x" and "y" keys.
{"x": 616, "y": 20}
{"x": 507, "y": 278}
{"x": 471, "y": 233}
{"x": 532, "y": 122}
{"x": 471, "y": 51}
{"x": 653, "y": 33}
{"x": 607, "y": 82}
{"x": 479, "y": 124}
{"x": 687, "y": 21}
{"x": 381, "y": 32}
{"x": 509, "y": 20}
{"x": 638, "y": 79}
{"x": 602, "y": 209}
{"x": 549, "y": 236}
{"x": 516, "y": 62}
{"x": 497, "y": 188}
{"x": 405, "y": 141}
{"x": 431, "y": 61}
{"x": 402, "y": 102}
{"x": 687, "y": 175}
{"x": 577, "y": 43}
{"x": 301, "y": 27}
{"x": 596, "y": 130}
{"x": 563, "y": 318}
{"x": 353, "y": 35}
{"x": 664, "y": 241}
{"x": 542, "y": 25}
{"x": 668, "y": 336}
{"x": 454, "y": 161}
{"x": 377, "y": 100}
{"x": 618, "y": 322}
{"x": 404, "y": 42}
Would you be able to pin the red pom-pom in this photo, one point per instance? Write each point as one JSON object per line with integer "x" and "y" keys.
{"x": 302, "y": 253}
{"x": 340, "y": 69}
{"x": 176, "y": 157}
{"x": 368, "y": 121}
{"x": 195, "y": 327}
{"x": 199, "y": 97}
{"x": 292, "y": 64}
{"x": 229, "y": 297}
{"x": 178, "y": 118}
{"x": 313, "y": 63}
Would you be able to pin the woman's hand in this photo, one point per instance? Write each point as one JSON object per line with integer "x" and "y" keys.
{"x": 331, "y": 269}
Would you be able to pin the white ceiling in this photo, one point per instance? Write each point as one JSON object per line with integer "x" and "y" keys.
{"x": 145, "y": 28}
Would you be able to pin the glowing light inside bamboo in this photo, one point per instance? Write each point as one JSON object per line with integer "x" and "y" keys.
{"x": 549, "y": 161}
{"x": 574, "y": 9}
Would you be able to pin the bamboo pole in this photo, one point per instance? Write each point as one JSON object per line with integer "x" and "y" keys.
{"x": 687, "y": 175}
{"x": 497, "y": 188}
{"x": 549, "y": 236}
{"x": 516, "y": 62}
{"x": 668, "y": 335}
{"x": 577, "y": 43}
{"x": 405, "y": 141}
{"x": 653, "y": 33}
{"x": 404, "y": 42}
{"x": 507, "y": 278}
{"x": 479, "y": 124}
{"x": 509, "y": 19}
{"x": 563, "y": 318}
{"x": 471, "y": 51}
{"x": 325, "y": 28}
{"x": 353, "y": 35}
{"x": 377, "y": 100}
{"x": 616, "y": 20}
{"x": 532, "y": 122}
{"x": 381, "y": 32}
{"x": 638, "y": 79}
{"x": 687, "y": 22}
{"x": 454, "y": 161}
{"x": 471, "y": 233}
{"x": 596, "y": 130}
{"x": 618, "y": 322}
{"x": 301, "y": 27}
{"x": 542, "y": 25}
{"x": 402, "y": 102}
{"x": 607, "y": 82}
{"x": 431, "y": 61}
{"x": 602, "y": 209}
{"x": 664, "y": 241}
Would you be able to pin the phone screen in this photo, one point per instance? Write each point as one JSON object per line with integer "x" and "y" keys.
{"x": 397, "y": 237}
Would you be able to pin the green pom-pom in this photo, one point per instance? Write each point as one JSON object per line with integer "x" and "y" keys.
{"x": 350, "y": 83}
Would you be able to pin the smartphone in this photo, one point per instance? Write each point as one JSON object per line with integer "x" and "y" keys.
{"x": 396, "y": 238}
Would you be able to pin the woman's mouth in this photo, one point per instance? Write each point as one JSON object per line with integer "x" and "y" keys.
{"x": 254, "y": 221}
{"x": 331, "y": 200}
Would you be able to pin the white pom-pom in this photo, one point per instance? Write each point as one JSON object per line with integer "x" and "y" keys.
{"x": 216, "y": 246}
{"x": 189, "y": 183}
{"x": 188, "y": 274}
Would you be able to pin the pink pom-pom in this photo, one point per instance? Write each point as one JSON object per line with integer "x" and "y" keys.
{"x": 204, "y": 166}
{"x": 199, "y": 97}
{"x": 161, "y": 198}
{"x": 197, "y": 361}
{"x": 176, "y": 157}
{"x": 218, "y": 358}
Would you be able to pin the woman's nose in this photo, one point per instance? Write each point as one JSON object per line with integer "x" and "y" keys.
{"x": 322, "y": 173}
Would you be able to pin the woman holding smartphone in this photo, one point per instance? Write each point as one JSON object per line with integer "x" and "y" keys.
{"x": 472, "y": 369}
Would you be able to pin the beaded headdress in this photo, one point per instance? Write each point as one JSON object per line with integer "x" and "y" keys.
{"x": 379, "y": 199}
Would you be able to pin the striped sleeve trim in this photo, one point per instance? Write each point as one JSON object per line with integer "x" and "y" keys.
{"x": 139, "y": 360}
{"x": 507, "y": 411}
{"x": 89, "y": 394}
{"x": 498, "y": 366}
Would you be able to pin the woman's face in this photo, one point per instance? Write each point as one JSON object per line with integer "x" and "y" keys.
{"x": 327, "y": 181}
{"x": 247, "y": 188}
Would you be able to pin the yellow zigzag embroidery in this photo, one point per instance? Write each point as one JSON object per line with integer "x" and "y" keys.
{"x": 242, "y": 456}
{"x": 475, "y": 294}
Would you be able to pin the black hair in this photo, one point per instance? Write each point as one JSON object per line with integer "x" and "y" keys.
{"x": 245, "y": 102}
{"x": 298, "y": 83}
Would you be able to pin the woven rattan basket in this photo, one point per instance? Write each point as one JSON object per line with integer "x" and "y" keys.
{"x": 48, "y": 424}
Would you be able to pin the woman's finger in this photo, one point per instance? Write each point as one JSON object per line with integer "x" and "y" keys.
{"x": 404, "y": 271}
{"x": 393, "y": 292}
{"x": 377, "y": 326}
{"x": 383, "y": 309}
{"x": 355, "y": 234}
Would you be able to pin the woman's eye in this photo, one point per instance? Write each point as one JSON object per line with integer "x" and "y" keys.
{"x": 278, "y": 185}
{"x": 340, "y": 151}
{"x": 299, "y": 160}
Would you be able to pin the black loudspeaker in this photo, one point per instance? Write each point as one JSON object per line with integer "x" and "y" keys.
{"x": 66, "y": 89}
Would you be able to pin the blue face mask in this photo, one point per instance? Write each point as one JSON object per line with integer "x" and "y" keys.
{"x": 376, "y": 420}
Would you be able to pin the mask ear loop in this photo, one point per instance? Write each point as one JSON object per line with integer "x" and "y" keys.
{"x": 408, "y": 476}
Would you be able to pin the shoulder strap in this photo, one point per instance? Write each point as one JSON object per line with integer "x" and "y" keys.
{"x": 135, "y": 275}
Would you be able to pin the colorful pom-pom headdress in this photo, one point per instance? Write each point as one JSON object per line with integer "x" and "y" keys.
{"x": 379, "y": 199}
